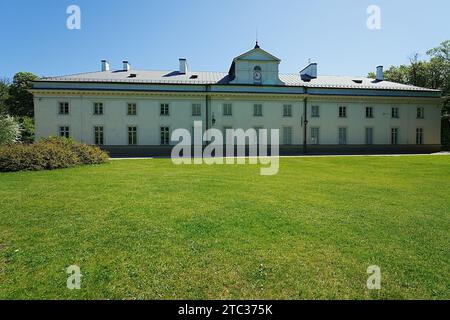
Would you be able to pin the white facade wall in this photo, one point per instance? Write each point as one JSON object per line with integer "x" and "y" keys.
{"x": 115, "y": 120}
{"x": 382, "y": 122}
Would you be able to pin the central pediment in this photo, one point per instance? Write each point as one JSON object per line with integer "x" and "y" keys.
{"x": 257, "y": 54}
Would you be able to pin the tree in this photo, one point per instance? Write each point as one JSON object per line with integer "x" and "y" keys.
{"x": 20, "y": 101}
{"x": 4, "y": 94}
{"x": 441, "y": 52}
{"x": 9, "y": 130}
{"x": 27, "y": 130}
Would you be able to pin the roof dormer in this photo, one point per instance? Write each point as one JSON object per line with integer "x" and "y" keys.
{"x": 256, "y": 67}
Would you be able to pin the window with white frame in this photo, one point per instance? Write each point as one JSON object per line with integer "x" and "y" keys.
{"x": 164, "y": 109}
{"x": 132, "y": 135}
{"x": 287, "y": 110}
{"x": 419, "y": 136}
{"x": 165, "y": 136}
{"x": 342, "y": 135}
{"x": 63, "y": 108}
{"x": 64, "y": 132}
{"x": 342, "y": 112}
{"x": 196, "y": 109}
{"x": 369, "y": 135}
{"x": 420, "y": 113}
{"x": 315, "y": 111}
{"x": 395, "y": 113}
{"x": 287, "y": 135}
{"x": 394, "y": 135}
{"x": 98, "y": 135}
{"x": 131, "y": 109}
{"x": 98, "y": 108}
{"x": 315, "y": 138}
{"x": 369, "y": 112}
{"x": 257, "y": 110}
{"x": 227, "y": 109}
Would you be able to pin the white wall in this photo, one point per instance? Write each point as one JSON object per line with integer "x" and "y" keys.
{"x": 148, "y": 120}
{"x": 382, "y": 122}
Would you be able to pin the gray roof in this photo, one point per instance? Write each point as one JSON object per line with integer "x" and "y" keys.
{"x": 174, "y": 77}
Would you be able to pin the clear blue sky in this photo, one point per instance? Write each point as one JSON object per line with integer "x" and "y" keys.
{"x": 153, "y": 34}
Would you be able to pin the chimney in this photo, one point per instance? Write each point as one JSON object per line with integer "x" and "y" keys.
{"x": 126, "y": 66}
{"x": 183, "y": 66}
{"x": 380, "y": 73}
{"x": 309, "y": 72}
{"x": 105, "y": 65}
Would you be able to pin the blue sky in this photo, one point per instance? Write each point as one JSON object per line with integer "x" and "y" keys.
{"x": 154, "y": 34}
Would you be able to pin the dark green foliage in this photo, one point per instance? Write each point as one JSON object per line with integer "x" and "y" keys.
{"x": 27, "y": 129}
{"x": 20, "y": 101}
{"x": 4, "y": 94}
{"x": 49, "y": 154}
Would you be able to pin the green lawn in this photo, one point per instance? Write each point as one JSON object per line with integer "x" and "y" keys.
{"x": 146, "y": 229}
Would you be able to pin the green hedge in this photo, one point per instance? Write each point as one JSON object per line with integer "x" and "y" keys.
{"x": 49, "y": 154}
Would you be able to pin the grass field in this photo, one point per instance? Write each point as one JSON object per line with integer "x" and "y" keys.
{"x": 146, "y": 229}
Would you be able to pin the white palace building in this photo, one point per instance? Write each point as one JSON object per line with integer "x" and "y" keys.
{"x": 133, "y": 112}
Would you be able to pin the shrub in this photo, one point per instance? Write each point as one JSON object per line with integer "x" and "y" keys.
{"x": 49, "y": 154}
{"x": 27, "y": 130}
{"x": 9, "y": 130}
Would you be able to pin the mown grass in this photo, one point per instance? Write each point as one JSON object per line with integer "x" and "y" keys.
{"x": 146, "y": 229}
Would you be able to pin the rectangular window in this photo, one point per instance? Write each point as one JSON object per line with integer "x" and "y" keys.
{"x": 64, "y": 132}
{"x": 132, "y": 109}
{"x": 287, "y": 110}
{"x": 420, "y": 113}
{"x": 227, "y": 109}
{"x": 98, "y": 135}
{"x": 257, "y": 110}
{"x": 419, "y": 136}
{"x": 165, "y": 137}
{"x": 394, "y": 136}
{"x": 315, "y": 112}
{"x": 287, "y": 135}
{"x": 98, "y": 108}
{"x": 196, "y": 109}
{"x": 342, "y": 135}
{"x": 63, "y": 108}
{"x": 369, "y": 112}
{"x": 369, "y": 135}
{"x": 342, "y": 112}
{"x": 132, "y": 136}
{"x": 164, "y": 109}
{"x": 315, "y": 138}
{"x": 395, "y": 113}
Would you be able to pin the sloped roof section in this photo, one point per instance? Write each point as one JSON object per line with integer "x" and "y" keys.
{"x": 145, "y": 76}
{"x": 222, "y": 78}
{"x": 258, "y": 54}
{"x": 346, "y": 82}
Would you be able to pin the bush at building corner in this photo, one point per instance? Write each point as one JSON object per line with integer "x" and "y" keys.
{"x": 9, "y": 130}
{"x": 49, "y": 154}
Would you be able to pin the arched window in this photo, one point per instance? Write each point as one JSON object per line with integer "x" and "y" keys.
{"x": 257, "y": 75}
